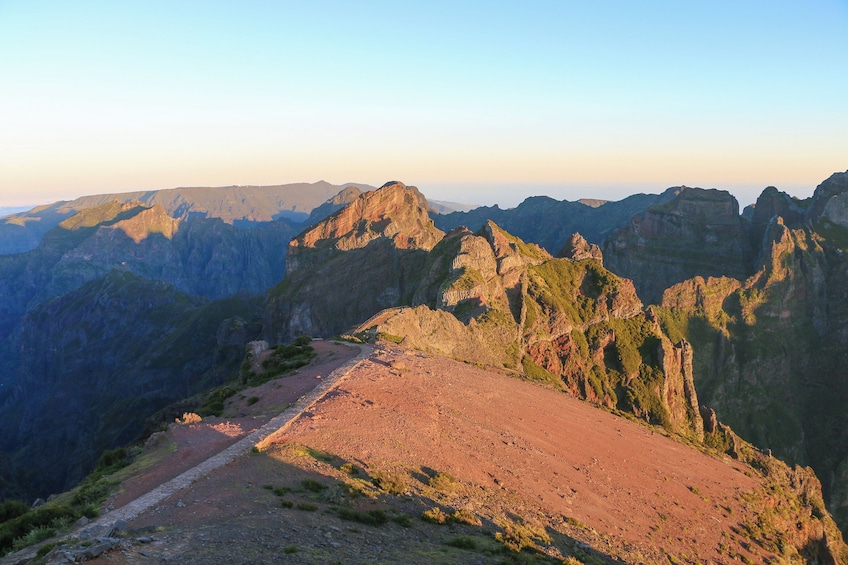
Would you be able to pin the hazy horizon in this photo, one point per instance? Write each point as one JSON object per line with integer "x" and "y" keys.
{"x": 476, "y": 102}
{"x": 481, "y": 194}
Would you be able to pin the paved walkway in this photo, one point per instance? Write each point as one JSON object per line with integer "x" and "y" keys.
{"x": 256, "y": 438}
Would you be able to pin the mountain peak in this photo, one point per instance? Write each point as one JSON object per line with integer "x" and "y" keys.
{"x": 394, "y": 212}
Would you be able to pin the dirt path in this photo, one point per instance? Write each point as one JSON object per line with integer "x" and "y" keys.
{"x": 274, "y": 426}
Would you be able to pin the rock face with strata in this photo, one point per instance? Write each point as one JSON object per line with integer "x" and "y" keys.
{"x": 770, "y": 349}
{"x": 395, "y": 213}
{"x": 577, "y": 248}
{"x": 697, "y": 232}
{"x": 370, "y": 255}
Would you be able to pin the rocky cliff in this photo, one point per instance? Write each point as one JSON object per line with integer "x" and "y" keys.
{"x": 365, "y": 257}
{"x": 572, "y": 324}
{"x": 770, "y": 349}
{"x": 486, "y": 297}
{"x": 696, "y": 232}
{"x": 201, "y": 257}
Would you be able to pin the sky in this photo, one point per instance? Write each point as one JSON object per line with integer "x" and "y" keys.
{"x": 478, "y": 102}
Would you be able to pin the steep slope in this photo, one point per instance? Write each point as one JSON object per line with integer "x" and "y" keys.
{"x": 83, "y": 371}
{"x": 571, "y": 323}
{"x": 549, "y": 223}
{"x": 244, "y": 206}
{"x": 696, "y": 232}
{"x": 365, "y": 257}
{"x": 770, "y": 350}
{"x": 500, "y": 470}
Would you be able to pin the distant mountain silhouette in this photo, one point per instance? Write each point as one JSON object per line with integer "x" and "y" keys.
{"x": 243, "y": 206}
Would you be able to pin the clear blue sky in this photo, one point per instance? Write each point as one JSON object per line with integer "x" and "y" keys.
{"x": 471, "y": 101}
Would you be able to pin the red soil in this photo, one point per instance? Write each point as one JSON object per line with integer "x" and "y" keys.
{"x": 518, "y": 449}
{"x": 186, "y": 445}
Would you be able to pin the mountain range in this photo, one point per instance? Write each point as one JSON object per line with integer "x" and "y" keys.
{"x": 719, "y": 327}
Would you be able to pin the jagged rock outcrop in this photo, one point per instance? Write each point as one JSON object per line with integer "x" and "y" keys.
{"x": 368, "y": 256}
{"x": 696, "y": 232}
{"x": 773, "y": 203}
{"x": 577, "y": 248}
{"x": 834, "y": 186}
{"x": 769, "y": 350}
{"x": 572, "y": 323}
{"x": 395, "y": 212}
{"x": 679, "y": 392}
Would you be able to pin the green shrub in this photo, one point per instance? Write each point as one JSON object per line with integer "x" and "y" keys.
{"x": 252, "y": 400}
{"x": 42, "y": 517}
{"x": 312, "y": 485}
{"x": 112, "y": 460}
{"x": 444, "y": 483}
{"x": 435, "y": 515}
{"x": 369, "y": 517}
{"x": 392, "y": 483}
{"x": 306, "y": 506}
{"x": 350, "y": 469}
{"x": 464, "y": 516}
{"x": 213, "y": 404}
{"x": 45, "y": 549}
{"x": 34, "y": 536}
{"x": 463, "y": 542}
{"x": 516, "y": 537}
{"x": 389, "y": 337}
{"x": 283, "y": 360}
{"x": 12, "y": 509}
{"x": 539, "y": 374}
{"x": 403, "y": 520}
{"x": 302, "y": 341}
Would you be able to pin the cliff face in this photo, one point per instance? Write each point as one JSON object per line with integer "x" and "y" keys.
{"x": 370, "y": 255}
{"x": 241, "y": 206}
{"x": 696, "y": 232}
{"x": 770, "y": 349}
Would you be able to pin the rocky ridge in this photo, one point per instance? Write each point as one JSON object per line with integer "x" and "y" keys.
{"x": 487, "y": 297}
{"x": 243, "y": 206}
{"x": 550, "y": 223}
{"x": 695, "y": 232}
{"x": 769, "y": 348}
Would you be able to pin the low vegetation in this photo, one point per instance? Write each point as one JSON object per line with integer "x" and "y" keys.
{"x": 282, "y": 360}
{"x": 21, "y": 527}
